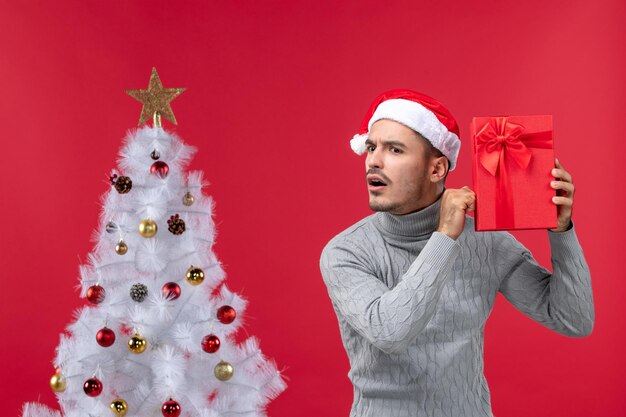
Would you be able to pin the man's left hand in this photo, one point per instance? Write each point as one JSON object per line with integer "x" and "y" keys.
{"x": 564, "y": 198}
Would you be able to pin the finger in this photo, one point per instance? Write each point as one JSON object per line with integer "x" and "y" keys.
{"x": 561, "y": 174}
{"x": 562, "y": 201}
{"x": 468, "y": 191}
{"x": 470, "y": 201}
{"x": 562, "y": 185}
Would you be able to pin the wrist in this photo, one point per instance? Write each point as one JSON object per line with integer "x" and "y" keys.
{"x": 561, "y": 229}
{"x": 445, "y": 231}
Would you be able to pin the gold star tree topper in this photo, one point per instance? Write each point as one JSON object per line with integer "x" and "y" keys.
{"x": 156, "y": 100}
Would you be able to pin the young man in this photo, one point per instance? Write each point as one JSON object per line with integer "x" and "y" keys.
{"x": 413, "y": 284}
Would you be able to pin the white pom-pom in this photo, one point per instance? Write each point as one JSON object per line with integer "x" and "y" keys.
{"x": 357, "y": 143}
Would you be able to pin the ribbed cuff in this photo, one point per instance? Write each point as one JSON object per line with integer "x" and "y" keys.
{"x": 440, "y": 251}
{"x": 565, "y": 244}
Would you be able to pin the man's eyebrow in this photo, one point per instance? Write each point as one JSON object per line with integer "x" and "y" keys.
{"x": 395, "y": 143}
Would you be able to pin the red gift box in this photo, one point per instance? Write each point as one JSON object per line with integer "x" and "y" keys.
{"x": 513, "y": 158}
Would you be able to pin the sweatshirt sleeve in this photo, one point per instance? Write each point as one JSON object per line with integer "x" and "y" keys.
{"x": 561, "y": 300}
{"x": 390, "y": 319}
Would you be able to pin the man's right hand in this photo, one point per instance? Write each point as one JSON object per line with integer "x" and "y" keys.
{"x": 455, "y": 203}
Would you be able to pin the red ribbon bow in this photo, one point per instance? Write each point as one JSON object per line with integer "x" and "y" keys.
{"x": 501, "y": 139}
{"x": 497, "y": 141}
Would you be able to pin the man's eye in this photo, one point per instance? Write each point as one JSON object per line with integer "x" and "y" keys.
{"x": 371, "y": 148}
{"x": 396, "y": 150}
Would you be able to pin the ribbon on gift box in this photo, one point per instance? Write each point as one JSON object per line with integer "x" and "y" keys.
{"x": 498, "y": 141}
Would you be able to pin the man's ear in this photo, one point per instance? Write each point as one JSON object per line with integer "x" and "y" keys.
{"x": 439, "y": 168}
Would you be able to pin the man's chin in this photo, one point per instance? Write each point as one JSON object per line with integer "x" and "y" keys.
{"x": 381, "y": 205}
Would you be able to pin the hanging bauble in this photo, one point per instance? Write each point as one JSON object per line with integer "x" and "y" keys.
{"x": 176, "y": 225}
{"x": 210, "y": 343}
{"x": 223, "y": 371}
{"x": 138, "y": 292}
{"x": 188, "y": 198}
{"x": 123, "y": 185}
{"x": 57, "y": 382}
{"x": 147, "y": 228}
{"x": 171, "y": 290}
{"x": 95, "y": 294}
{"x": 160, "y": 169}
{"x": 195, "y": 276}
{"x": 105, "y": 337}
{"x": 226, "y": 314}
{"x": 137, "y": 344}
{"x": 92, "y": 387}
{"x": 170, "y": 408}
{"x": 121, "y": 248}
{"x": 111, "y": 227}
{"x": 119, "y": 407}
{"x": 155, "y": 154}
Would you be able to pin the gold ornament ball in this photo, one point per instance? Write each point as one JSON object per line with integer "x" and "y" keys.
{"x": 195, "y": 275}
{"x": 147, "y": 228}
{"x": 188, "y": 199}
{"x": 57, "y": 382}
{"x": 223, "y": 371}
{"x": 119, "y": 407}
{"x": 121, "y": 248}
{"x": 137, "y": 344}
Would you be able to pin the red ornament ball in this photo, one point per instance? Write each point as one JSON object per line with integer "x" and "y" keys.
{"x": 210, "y": 343}
{"x": 105, "y": 337}
{"x": 160, "y": 168}
{"x": 171, "y": 290}
{"x": 92, "y": 387}
{"x": 170, "y": 408}
{"x": 226, "y": 314}
{"x": 95, "y": 294}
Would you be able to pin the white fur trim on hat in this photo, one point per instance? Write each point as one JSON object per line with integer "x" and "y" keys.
{"x": 418, "y": 118}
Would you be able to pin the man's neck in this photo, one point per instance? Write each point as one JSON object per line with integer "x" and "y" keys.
{"x": 423, "y": 203}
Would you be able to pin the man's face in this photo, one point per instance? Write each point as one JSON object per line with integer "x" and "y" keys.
{"x": 397, "y": 166}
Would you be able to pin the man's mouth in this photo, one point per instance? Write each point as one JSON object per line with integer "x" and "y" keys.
{"x": 375, "y": 182}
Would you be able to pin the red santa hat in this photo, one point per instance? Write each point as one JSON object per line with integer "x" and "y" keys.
{"x": 423, "y": 114}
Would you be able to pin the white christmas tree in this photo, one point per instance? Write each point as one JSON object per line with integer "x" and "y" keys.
{"x": 157, "y": 335}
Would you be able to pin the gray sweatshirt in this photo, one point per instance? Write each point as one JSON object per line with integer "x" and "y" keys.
{"x": 412, "y": 304}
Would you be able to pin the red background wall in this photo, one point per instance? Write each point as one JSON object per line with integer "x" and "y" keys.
{"x": 275, "y": 90}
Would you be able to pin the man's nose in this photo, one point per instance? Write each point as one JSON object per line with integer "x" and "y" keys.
{"x": 374, "y": 159}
